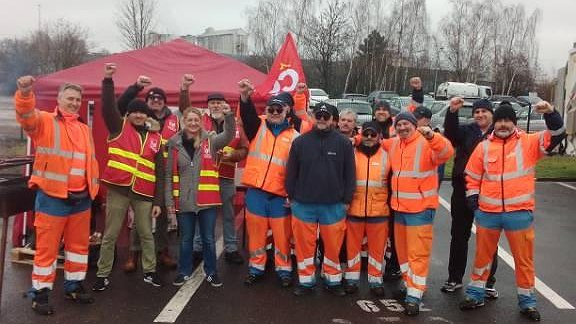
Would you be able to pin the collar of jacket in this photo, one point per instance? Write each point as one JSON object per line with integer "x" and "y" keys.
{"x": 515, "y": 134}
{"x": 412, "y": 138}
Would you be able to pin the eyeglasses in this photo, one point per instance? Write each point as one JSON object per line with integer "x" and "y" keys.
{"x": 322, "y": 115}
{"x": 156, "y": 98}
{"x": 275, "y": 109}
{"x": 370, "y": 134}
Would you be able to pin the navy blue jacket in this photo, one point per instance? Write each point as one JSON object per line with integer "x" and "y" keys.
{"x": 321, "y": 168}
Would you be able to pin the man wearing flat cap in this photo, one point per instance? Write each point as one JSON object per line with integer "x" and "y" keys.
{"x": 415, "y": 155}
{"x": 271, "y": 137}
{"x": 320, "y": 182}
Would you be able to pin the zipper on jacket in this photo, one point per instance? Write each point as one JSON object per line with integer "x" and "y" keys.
{"x": 502, "y": 175}
{"x": 398, "y": 177}
{"x": 366, "y": 193}
{"x": 269, "y": 161}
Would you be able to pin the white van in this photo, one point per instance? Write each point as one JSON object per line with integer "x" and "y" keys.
{"x": 448, "y": 90}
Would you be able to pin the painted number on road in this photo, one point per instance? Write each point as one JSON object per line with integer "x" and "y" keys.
{"x": 368, "y": 306}
{"x": 392, "y": 305}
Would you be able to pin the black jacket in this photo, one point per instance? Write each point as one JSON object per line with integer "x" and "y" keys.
{"x": 321, "y": 168}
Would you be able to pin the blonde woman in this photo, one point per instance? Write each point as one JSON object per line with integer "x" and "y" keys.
{"x": 192, "y": 188}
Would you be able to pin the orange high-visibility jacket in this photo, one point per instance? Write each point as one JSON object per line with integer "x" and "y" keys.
{"x": 60, "y": 157}
{"x": 414, "y": 162}
{"x": 371, "y": 196}
{"x": 131, "y": 161}
{"x": 267, "y": 158}
{"x": 501, "y": 171}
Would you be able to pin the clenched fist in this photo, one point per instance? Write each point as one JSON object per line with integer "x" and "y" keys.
{"x": 187, "y": 81}
{"x": 416, "y": 83}
{"x": 426, "y": 131}
{"x": 143, "y": 81}
{"x": 246, "y": 89}
{"x": 544, "y": 107}
{"x": 109, "y": 69}
{"x": 456, "y": 103}
{"x": 225, "y": 108}
{"x": 25, "y": 83}
{"x": 301, "y": 88}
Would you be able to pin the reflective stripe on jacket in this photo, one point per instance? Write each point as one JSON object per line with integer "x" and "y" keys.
{"x": 371, "y": 195}
{"x": 59, "y": 157}
{"x": 414, "y": 163}
{"x": 208, "y": 184}
{"x": 131, "y": 160}
{"x": 267, "y": 157}
{"x": 501, "y": 171}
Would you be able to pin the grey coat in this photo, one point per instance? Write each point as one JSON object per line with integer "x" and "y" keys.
{"x": 189, "y": 169}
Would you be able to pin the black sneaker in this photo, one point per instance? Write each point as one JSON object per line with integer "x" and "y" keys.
{"x": 451, "y": 286}
{"x": 40, "y": 302}
{"x": 233, "y": 258}
{"x": 411, "y": 309}
{"x": 531, "y": 313}
{"x": 214, "y": 281}
{"x": 491, "y": 293}
{"x": 336, "y": 290}
{"x": 251, "y": 279}
{"x": 79, "y": 295}
{"x": 303, "y": 290}
{"x": 285, "y": 282}
{"x": 101, "y": 284}
{"x": 470, "y": 303}
{"x": 153, "y": 279}
{"x": 180, "y": 280}
{"x": 378, "y": 291}
{"x": 350, "y": 289}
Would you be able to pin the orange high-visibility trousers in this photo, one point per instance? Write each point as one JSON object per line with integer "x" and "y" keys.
{"x": 413, "y": 237}
{"x": 376, "y": 231}
{"x": 519, "y": 229}
{"x": 75, "y": 229}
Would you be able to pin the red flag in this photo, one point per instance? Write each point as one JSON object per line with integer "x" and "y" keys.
{"x": 286, "y": 71}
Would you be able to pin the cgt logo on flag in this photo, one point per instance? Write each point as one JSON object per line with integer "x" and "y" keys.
{"x": 286, "y": 71}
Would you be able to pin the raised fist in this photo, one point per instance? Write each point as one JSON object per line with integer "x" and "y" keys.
{"x": 143, "y": 81}
{"x": 456, "y": 103}
{"x": 226, "y": 108}
{"x": 544, "y": 107}
{"x": 301, "y": 88}
{"x": 25, "y": 83}
{"x": 109, "y": 69}
{"x": 246, "y": 89}
{"x": 416, "y": 83}
{"x": 426, "y": 131}
{"x": 187, "y": 81}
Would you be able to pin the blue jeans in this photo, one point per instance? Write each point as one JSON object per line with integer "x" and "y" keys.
{"x": 186, "y": 226}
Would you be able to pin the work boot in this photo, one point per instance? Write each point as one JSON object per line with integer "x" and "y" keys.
{"x": 303, "y": 290}
{"x": 40, "y": 302}
{"x": 166, "y": 260}
{"x": 336, "y": 290}
{"x": 470, "y": 303}
{"x": 285, "y": 282}
{"x": 531, "y": 313}
{"x": 411, "y": 309}
{"x": 80, "y": 295}
{"x": 233, "y": 257}
{"x": 350, "y": 289}
{"x": 131, "y": 262}
{"x": 251, "y": 279}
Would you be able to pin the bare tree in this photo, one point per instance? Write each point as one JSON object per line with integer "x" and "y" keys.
{"x": 267, "y": 24}
{"x": 135, "y": 20}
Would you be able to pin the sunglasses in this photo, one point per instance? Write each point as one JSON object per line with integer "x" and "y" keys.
{"x": 275, "y": 109}
{"x": 370, "y": 134}
{"x": 322, "y": 115}
{"x": 156, "y": 98}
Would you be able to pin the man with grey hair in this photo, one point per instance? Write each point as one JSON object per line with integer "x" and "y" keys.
{"x": 347, "y": 123}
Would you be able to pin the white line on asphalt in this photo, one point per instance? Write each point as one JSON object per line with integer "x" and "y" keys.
{"x": 176, "y": 305}
{"x": 546, "y": 291}
{"x": 566, "y": 185}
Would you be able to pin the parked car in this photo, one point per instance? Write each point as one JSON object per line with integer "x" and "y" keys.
{"x": 499, "y": 98}
{"x": 401, "y": 103}
{"x": 355, "y": 96}
{"x": 317, "y": 96}
{"x": 517, "y": 107}
{"x": 376, "y": 96}
{"x": 362, "y": 108}
{"x": 448, "y": 90}
{"x": 537, "y": 122}
{"x": 464, "y": 116}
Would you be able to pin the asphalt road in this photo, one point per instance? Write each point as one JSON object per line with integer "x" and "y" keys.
{"x": 130, "y": 300}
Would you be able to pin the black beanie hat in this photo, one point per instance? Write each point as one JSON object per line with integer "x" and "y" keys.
{"x": 384, "y": 104}
{"x": 405, "y": 115}
{"x": 286, "y": 97}
{"x": 505, "y": 111}
{"x": 482, "y": 103}
{"x": 137, "y": 105}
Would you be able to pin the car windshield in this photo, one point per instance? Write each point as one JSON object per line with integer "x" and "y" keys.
{"x": 318, "y": 92}
{"x": 360, "y": 108}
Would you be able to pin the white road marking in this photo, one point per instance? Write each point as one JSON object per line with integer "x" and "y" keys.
{"x": 176, "y": 305}
{"x": 566, "y": 185}
{"x": 542, "y": 288}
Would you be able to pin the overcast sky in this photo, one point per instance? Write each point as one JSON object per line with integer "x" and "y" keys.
{"x": 556, "y": 33}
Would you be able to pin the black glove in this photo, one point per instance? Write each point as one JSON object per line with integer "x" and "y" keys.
{"x": 472, "y": 202}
